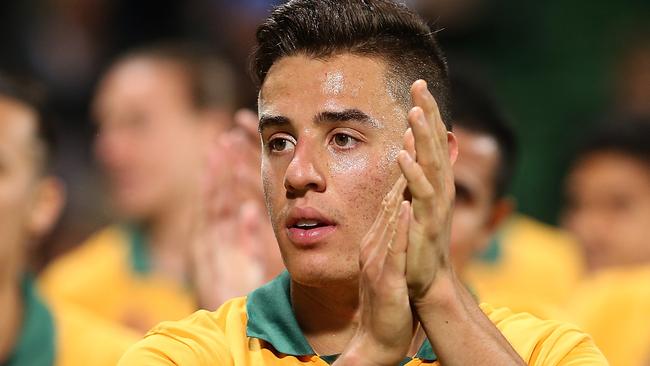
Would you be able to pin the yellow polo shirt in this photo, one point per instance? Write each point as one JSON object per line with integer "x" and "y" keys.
{"x": 261, "y": 329}
{"x": 613, "y": 305}
{"x": 529, "y": 267}
{"x": 65, "y": 336}
{"x": 110, "y": 276}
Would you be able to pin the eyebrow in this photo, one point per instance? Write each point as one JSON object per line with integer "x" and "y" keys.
{"x": 346, "y": 115}
{"x": 267, "y": 121}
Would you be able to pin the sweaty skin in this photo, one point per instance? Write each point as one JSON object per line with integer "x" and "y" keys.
{"x": 324, "y": 207}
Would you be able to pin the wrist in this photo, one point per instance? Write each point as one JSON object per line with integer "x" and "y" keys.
{"x": 362, "y": 352}
{"x": 443, "y": 296}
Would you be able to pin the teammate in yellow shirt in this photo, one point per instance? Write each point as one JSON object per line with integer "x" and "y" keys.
{"x": 524, "y": 265}
{"x": 32, "y": 332}
{"x": 369, "y": 282}
{"x": 160, "y": 111}
{"x": 608, "y": 210}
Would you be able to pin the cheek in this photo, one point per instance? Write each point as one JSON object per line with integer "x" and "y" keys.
{"x": 467, "y": 226}
{"x": 273, "y": 184}
{"x": 364, "y": 180}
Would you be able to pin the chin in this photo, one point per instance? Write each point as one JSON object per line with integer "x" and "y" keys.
{"x": 320, "y": 272}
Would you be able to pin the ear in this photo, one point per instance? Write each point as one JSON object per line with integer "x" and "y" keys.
{"x": 501, "y": 211}
{"x": 49, "y": 200}
{"x": 452, "y": 147}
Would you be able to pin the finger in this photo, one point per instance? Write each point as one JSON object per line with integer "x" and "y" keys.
{"x": 374, "y": 237}
{"x": 409, "y": 142}
{"x": 389, "y": 229}
{"x": 423, "y": 98}
{"x": 248, "y": 121}
{"x": 426, "y": 147}
{"x": 396, "y": 256}
{"x": 422, "y": 191}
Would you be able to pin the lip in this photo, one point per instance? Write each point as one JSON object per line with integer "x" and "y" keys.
{"x": 308, "y": 237}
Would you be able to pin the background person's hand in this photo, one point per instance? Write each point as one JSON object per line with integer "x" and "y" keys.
{"x": 233, "y": 248}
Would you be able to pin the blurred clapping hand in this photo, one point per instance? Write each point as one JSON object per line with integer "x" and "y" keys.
{"x": 234, "y": 249}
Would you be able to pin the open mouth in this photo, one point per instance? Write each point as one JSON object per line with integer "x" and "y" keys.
{"x": 307, "y": 224}
{"x": 308, "y": 227}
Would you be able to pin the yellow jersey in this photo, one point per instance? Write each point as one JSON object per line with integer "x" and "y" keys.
{"x": 109, "y": 276}
{"x": 529, "y": 267}
{"x": 261, "y": 329}
{"x": 613, "y": 305}
{"x": 65, "y": 336}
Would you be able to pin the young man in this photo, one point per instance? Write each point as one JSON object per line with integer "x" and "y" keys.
{"x": 32, "y": 332}
{"x": 369, "y": 282}
{"x": 160, "y": 111}
{"x": 507, "y": 259}
{"x": 608, "y": 210}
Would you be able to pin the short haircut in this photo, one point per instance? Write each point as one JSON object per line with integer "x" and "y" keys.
{"x": 382, "y": 29}
{"x": 32, "y": 94}
{"x": 629, "y": 136}
{"x": 212, "y": 80}
{"x": 475, "y": 109}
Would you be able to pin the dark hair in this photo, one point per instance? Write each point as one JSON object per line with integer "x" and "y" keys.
{"x": 475, "y": 109}
{"x": 372, "y": 28}
{"x": 629, "y": 136}
{"x": 211, "y": 78}
{"x": 30, "y": 93}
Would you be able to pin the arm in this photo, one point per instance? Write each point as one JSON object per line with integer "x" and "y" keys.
{"x": 459, "y": 331}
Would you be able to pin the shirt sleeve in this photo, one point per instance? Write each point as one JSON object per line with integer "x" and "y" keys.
{"x": 188, "y": 342}
{"x": 585, "y": 353}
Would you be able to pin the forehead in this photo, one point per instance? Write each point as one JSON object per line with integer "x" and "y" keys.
{"x": 478, "y": 157}
{"x": 297, "y": 83}
{"x": 17, "y": 123}
{"x": 608, "y": 169}
{"x": 144, "y": 80}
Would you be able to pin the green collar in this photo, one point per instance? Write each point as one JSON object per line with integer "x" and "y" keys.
{"x": 36, "y": 344}
{"x": 138, "y": 250}
{"x": 271, "y": 319}
{"x": 493, "y": 253}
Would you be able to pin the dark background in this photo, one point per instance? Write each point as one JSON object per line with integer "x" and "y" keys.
{"x": 557, "y": 66}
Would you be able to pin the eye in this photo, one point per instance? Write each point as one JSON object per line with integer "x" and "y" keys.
{"x": 344, "y": 141}
{"x": 280, "y": 144}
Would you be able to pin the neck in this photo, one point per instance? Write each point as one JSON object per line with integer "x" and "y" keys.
{"x": 10, "y": 317}
{"x": 327, "y": 315}
{"x": 168, "y": 234}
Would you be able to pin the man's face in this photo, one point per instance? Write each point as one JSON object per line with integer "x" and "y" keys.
{"x": 331, "y": 133}
{"x": 18, "y": 177}
{"x": 474, "y": 213}
{"x": 609, "y": 209}
{"x": 149, "y": 137}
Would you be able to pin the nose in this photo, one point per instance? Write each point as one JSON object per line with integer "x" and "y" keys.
{"x": 303, "y": 173}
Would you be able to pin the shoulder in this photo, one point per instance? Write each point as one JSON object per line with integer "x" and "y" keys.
{"x": 104, "y": 254}
{"x": 84, "y": 339}
{"x": 544, "y": 342}
{"x": 204, "y": 338}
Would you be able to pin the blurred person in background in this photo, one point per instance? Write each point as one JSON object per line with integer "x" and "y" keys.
{"x": 336, "y": 94}
{"x": 33, "y": 332}
{"x": 164, "y": 115}
{"x": 608, "y": 211}
{"x": 509, "y": 259}
{"x": 633, "y": 78}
